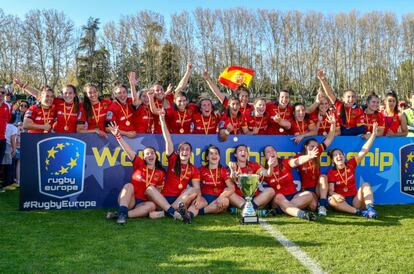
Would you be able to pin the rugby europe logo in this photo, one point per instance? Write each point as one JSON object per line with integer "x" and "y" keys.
{"x": 61, "y": 166}
{"x": 407, "y": 169}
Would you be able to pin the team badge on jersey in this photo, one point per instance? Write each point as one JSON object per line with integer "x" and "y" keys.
{"x": 61, "y": 165}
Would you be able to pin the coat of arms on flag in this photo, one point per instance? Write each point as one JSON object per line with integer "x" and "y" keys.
{"x": 234, "y": 76}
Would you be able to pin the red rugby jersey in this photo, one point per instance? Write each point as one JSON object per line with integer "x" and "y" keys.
{"x": 176, "y": 184}
{"x": 282, "y": 180}
{"x": 40, "y": 116}
{"x": 344, "y": 179}
{"x": 143, "y": 177}
{"x": 213, "y": 181}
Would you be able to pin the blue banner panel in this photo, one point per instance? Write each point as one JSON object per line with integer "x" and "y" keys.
{"x": 76, "y": 171}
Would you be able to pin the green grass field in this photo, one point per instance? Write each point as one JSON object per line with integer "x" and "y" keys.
{"x": 84, "y": 242}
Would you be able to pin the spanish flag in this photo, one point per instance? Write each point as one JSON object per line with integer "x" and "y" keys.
{"x": 233, "y": 77}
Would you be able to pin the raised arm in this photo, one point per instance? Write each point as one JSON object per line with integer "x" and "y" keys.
{"x": 315, "y": 104}
{"x": 326, "y": 87}
{"x": 213, "y": 87}
{"x": 153, "y": 107}
{"x": 184, "y": 81}
{"x": 331, "y": 135}
{"x": 32, "y": 91}
{"x": 133, "y": 84}
{"x": 367, "y": 146}
{"x": 113, "y": 127}
{"x": 169, "y": 146}
{"x": 295, "y": 162}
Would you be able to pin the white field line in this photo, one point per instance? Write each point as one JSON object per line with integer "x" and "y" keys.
{"x": 293, "y": 249}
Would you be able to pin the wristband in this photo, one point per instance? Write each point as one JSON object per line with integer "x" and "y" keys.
{"x": 226, "y": 132}
{"x": 118, "y": 136}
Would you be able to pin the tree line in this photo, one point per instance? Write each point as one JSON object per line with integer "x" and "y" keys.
{"x": 366, "y": 52}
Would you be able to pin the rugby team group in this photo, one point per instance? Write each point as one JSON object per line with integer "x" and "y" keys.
{"x": 183, "y": 191}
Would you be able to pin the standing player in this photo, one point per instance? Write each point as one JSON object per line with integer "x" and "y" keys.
{"x": 302, "y": 126}
{"x": 394, "y": 120}
{"x": 232, "y": 121}
{"x": 372, "y": 115}
{"x": 94, "y": 112}
{"x": 344, "y": 195}
{"x": 318, "y": 113}
{"x": 347, "y": 110}
{"x": 205, "y": 121}
{"x": 281, "y": 114}
{"x": 257, "y": 121}
{"x": 122, "y": 108}
{"x": 40, "y": 116}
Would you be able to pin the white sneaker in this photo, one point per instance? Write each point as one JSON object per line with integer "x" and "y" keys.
{"x": 322, "y": 211}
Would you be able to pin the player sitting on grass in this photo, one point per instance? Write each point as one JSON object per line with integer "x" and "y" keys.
{"x": 344, "y": 195}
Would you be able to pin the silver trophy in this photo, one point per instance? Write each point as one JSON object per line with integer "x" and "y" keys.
{"x": 248, "y": 184}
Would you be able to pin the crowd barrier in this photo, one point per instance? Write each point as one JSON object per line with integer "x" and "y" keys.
{"x": 78, "y": 171}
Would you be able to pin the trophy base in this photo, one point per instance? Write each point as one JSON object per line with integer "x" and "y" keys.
{"x": 249, "y": 220}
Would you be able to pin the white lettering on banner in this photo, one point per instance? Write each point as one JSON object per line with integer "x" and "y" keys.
{"x": 61, "y": 181}
{"x": 58, "y": 204}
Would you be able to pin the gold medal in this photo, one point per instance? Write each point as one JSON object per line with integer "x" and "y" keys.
{"x": 281, "y": 129}
{"x": 235, "y": 139}
{"x": 127, "y": 123}
{"x": 324, "y": 133}
{"x": 180, "y": 186}
{"x": 345, "y": 189}
{"x": 278, "y": 187}
{"x": 66, "y": 128}
{"x": 181, "y": 130}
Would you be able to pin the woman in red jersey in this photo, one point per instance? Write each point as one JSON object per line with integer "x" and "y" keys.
{"x": 372, "y": 115}
{"x": 281, "y": 114}
{"x": 242, "y": 165}
{"x": 318, "y": 113}
{"x": 67, "y": 108}
{"x": 394, "y": 120}
{"x": 287, "y": 198}
{"x": 122, "y": 108}
{"x": 302, "y": 126}
{"x": 257, "y": 120}
{"x": 148, "y": 177}
{"x": 165, "y": 100}
{"x": 343, "y": 191}
{"x": 216, "y": 186}
{"x": 143, "y": 118}
{"x": 232, "y": 121}
{"x": 94, "y": 112}
{"x": 205, "y": 120}
{"x": 39, "y": 118}
{"x": 348, "y": 112}
{"x": 311, "y": 177}
{"x": 182, "y": 182}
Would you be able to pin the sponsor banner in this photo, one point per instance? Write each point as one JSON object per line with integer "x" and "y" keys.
{"x": 86, "y": 171}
